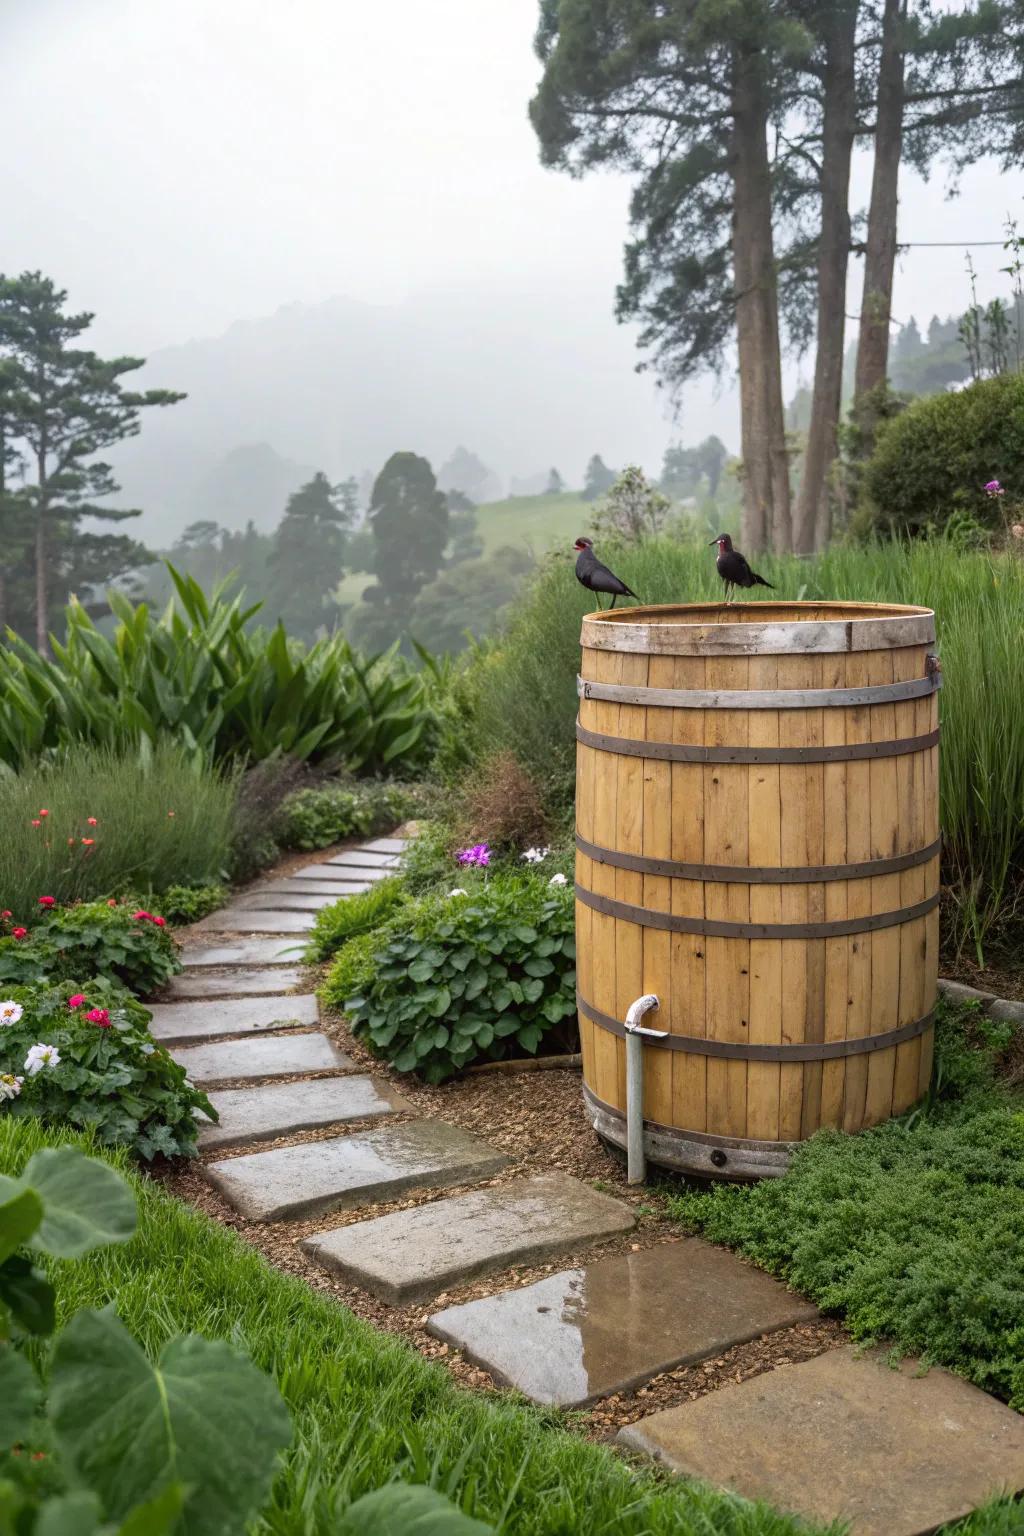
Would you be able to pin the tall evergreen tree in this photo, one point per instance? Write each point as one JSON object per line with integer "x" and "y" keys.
{"x": 555, "y": 485}
{"x": 409, "y": 519}
{"x": 597, "y": 479}
{"x": 65, "y": 406}
{"x": 308, "y": 557}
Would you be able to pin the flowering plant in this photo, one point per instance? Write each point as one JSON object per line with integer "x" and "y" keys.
{"x": 85, "y": 1057}
{"x": 91, "y": 939}
{"x": 479, "y": 854}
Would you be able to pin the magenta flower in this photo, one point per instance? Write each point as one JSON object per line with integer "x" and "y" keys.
{"x": 993, "y": 488}
{"x": 479, "y": 854}
{"x": 76, "y": 1000}
{"x": 99, "y": 1016}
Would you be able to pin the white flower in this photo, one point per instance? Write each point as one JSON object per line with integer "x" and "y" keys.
{"x": 536, "y": 855}
{"x": 10, "y": 1086}
{"x": 458, "y": 891}
{"x": 40, "y": 1056}
{"x": 558, "y": 880}
{"x": 10, "y": 1012}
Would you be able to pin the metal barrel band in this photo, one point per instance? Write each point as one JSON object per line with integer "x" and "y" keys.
{"x": 712, "y": 928}
{"x": 771, "y": 699}
{"x": 705, "y": 1138}
{"x": 762, "y": 874}
{"x": 741, "y": 1050}
{"x": 675, "y": 752}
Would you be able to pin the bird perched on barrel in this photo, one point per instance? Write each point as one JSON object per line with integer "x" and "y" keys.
{"x": 590, "y": 573}
{"x": 733, "y": 568}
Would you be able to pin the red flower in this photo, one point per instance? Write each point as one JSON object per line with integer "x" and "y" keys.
{"x": 6, "y": 912}
{"x": 77, "y": 1000}
{"x": 46, "y": 901}
{"x": 139, "y": 917}
{"x": 88, "y": 841}
{"x": 99, "y": 1016}
{"x": 20, "y": 933}
{"x": 44, "y": 813}
{"x": 92, "y": 821}
{"x": 112, "y": 901}
{"x": 36, "y": 822}
{"x": 159, "y": 921}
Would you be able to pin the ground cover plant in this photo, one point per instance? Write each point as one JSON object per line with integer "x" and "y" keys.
{"x": 364, "y": 1406}
{"x": 111, "y": 939}
{"x": 914, "y": 1231}
{"x": 520, "y": 695}
{"x": 477, "y": 973}
{"x": 329, "y": 813}
{"x": 199, "y": 677}
{"x": 81, "y": 1054}
{"x": 97, "y": 821}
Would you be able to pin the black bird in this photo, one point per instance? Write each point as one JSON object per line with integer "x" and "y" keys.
{"x": 733, "y": 568}
{"x": 590, "y": 573}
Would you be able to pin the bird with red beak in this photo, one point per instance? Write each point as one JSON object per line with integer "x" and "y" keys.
{"x": 733, "y": 568}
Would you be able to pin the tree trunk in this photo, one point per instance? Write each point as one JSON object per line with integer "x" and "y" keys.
{"x": 42, "y": 610}
{"x": 880, "y": 251}
{"x": 766, "y": 504}
{"x": 814, "y": 506}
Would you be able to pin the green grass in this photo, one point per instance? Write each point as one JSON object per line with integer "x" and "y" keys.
{"x": 522, "y": 691}
{"x": 538, "y": 523}
{"x": 912, "y": 1232}
{"x": 137, "y": 843}
{"x": 365, "y": 1405}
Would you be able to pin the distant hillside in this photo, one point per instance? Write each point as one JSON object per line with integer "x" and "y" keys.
{"x": 522, "y": 379}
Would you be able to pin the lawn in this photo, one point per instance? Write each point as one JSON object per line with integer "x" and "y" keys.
{"x": 537, "y": 522}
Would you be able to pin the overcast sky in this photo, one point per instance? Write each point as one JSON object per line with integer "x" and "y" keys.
{"x": 179, "y": 164}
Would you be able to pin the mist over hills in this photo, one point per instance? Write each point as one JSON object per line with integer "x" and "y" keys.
{"x": 526, "y": 380}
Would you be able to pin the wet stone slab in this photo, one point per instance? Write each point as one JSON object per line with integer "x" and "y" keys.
{"x": 288, "y": 1182}
{"x": 246, "y": 952}
{"x": 235, "y": 984}
{"x": 412, "y": 1255}
{"x": 291, "y": 886}
{"x": 187, "y": 1023}
{"x": 260, "y": 1057}
{"x": 246, "y": 920}
{"x": 609, "y": 1326}
{"x": 843, "y": 1437}
{"x": 383, "y": 863}
{"x": 385, "y": 845}
{"x": 341, "y": 874}
{"x": 276, "y": 1109}
{"x": 301, "y": 901}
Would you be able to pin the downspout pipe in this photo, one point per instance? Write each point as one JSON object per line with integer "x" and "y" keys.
{"x": 636, "y": 1157}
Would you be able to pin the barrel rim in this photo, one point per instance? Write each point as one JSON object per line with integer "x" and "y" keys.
{"x": 710, "y": 629}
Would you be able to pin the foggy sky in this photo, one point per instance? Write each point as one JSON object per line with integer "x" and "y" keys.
{"x": 181, "y": 164}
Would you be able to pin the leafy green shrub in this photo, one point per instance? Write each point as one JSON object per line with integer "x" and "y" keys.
{"x": 197, "y": 676}
{"x": 329, "y": 813}
{"x": 182, "y": 904}
{"x": 93, "y": 939}
{"x": 487, "y": 974}
{"x": 104, "y": 1071}
{"x": 98, "y": 822}
{"x": 352, "y": 916}
{"x": 934, "y": 459}
{"x": 352, "y": 971}
{"x": 913, "y": 1231}
{"x": 262, "y": 791}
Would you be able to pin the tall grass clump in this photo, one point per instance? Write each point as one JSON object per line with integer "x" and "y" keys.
{"x": 95, "y": 821}
{"x": 522, "y": 694}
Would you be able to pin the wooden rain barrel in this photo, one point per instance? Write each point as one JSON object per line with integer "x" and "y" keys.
{"x": 758, "y": 844}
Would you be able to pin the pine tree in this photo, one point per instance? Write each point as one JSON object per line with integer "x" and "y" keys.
{"x": 308, "y": 556}
{"x": 555, "y": 485}
{"x": 64, "y": 406}
{"x": 409, "y": 519}
{"x": 597, "y": 479}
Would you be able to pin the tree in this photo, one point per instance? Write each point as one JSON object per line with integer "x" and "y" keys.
{"x": 64, "y": 406}
{"x": 683, "y": 469}
{"x": 409, "y": 519}
{"x": 597, "y": 479}
{"x": 555, "y": 485}
{"x": 466, "y": 473}
{"x": 465, "y": 542}
{"x": 472, "y": 596}
{"x": 308, "y": 557}
{"x": 711, "y": 458}
{"x": 633, "y": 509}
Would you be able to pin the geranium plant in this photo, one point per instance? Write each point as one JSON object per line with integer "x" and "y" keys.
{"x": 94, "y": 938}
{"x": 82, "y": 1054}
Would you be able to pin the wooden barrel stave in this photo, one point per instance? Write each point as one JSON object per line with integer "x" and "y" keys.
{"x": 762, "y": 990}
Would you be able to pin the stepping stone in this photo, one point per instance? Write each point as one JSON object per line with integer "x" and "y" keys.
{"x": 243, "y": 920}
{"x": 244, "y": 952}
{"x": 584, "y": 1333}
{"x": 414, "y": 1254}
{"x": 300, "y": 902}
{"x": 236, "y": 984}
{"x": 843, "y": 1437}
{"x": 262, "y": 1057}
{"x": 186, "y": 1023}
{"x": 289, "y": 1182}
{"x": 294, "y": 887}
{"x": 341, "y": 874}
{"x": 385, "y": 845}
{"x": 361, "y": 860}
{"x": 260, "y": 1114}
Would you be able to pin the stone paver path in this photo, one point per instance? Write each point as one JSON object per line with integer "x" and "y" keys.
{"x": 838, "y": 1437}
{"x": 415, "y": 1254}
{"x": 610, "y": 1326}
{"x": 263, "y": 1112}
{"x": 186, "y": 1023}
{"x": 847, "y": 1437}
{"x": 260, "y": 1058}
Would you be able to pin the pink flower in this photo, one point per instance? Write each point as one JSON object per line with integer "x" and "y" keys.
{"x": 100, "y": 1017}
{"x": 142, "y": 917}
{"x": 92, "y": 821}
{"x": 20, "y": 933}
{"x": 170, "y": 813}
{"x": 161, "y": 922}
{"x": 36, "y": 822}
{"x": 44, "y": 812}
{"x": 112, "y": 901}
{"x": 46, "y": 901}
{"x": 6, "y": 912}
{"x": 76, "y": 1000}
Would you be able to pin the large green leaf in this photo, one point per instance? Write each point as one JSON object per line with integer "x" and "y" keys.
{"x": 20, "y": 1215}
{"x": 203, "y": 1416}
{"x": 27, "y": 1295}
{"x": 76, "y": 1514}
{"x": 409, "y": 1509}
{"x": 157, "y": 1517}
{"x": 86, "y": 1203}
{"x": 19, "y": 1397}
